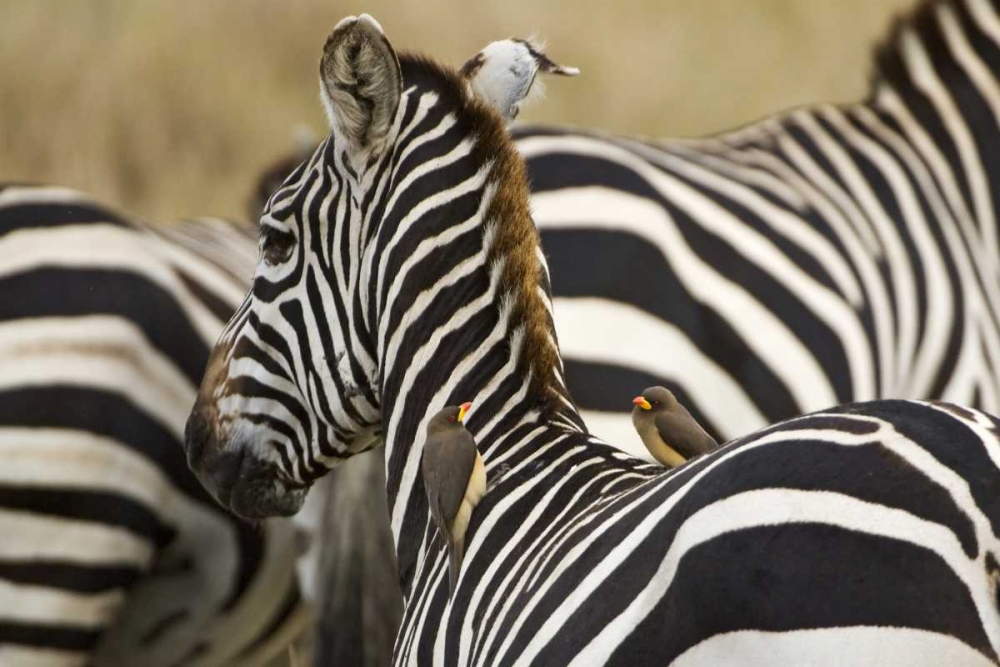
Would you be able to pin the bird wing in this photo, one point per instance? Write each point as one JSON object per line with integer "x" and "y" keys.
{"x": 432, "y": 485}
{"x": 683, "y": 432}
{"x": 462, "y": 459}
{"x": 448, "y": 461}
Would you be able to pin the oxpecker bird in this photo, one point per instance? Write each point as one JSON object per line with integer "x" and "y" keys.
{"x": 667, "y": 429}
{"x": 455, "y": 480}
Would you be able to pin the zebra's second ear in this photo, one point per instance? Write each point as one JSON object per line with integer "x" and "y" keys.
{"x": 360, "y": 81}
{"x": 502, "y": 74}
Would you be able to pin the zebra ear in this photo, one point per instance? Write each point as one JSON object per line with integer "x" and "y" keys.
{"x": 360, "y": 81}
{"x": 503, "y": 74}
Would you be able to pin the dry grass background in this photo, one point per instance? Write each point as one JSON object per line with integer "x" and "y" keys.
{"x": 172, "y": 107}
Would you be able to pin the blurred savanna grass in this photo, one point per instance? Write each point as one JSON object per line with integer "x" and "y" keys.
{"x": 171, "y": 108}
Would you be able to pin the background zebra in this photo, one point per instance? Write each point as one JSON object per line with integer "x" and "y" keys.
{"x": 820, "y": 256}
{"x": 856, "y": 239}
{"x": 112, "y": 553}
{"x": 400, "y": 271}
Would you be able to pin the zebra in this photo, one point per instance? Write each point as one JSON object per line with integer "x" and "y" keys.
{"x": 844, "y": 232}
{"x": 112, "y": 553}
{"x": 400, "y": 271}
{"x": 829, "y": 254}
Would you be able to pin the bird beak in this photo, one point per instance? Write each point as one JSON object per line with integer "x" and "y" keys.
{"x": 462, "y": 409}
{"x": 642, "y": 403}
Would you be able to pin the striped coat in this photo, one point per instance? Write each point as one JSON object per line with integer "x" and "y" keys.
{"x": 400, "y": 271}
{"x": 112, "y": 553}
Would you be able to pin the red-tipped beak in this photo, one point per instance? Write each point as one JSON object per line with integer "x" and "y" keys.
{"x": 642, "y": 403}
{"x": 462, "y": 409}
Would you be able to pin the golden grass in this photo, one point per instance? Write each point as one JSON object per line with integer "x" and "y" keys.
{"x": 172, "y": 107}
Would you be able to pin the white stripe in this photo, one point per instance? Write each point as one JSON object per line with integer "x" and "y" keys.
{"x": 414, "y": 366}
{"x": 57, "y": 458}
{"x": 159, "y": 400}
{"x": 102, "y": 247}
{"x": 27, "y": 656}
{"x": 833, "y": 647}
{"x": 616, "y": 427}
{"x": 16, "y": 195}
{"x": 206, "y": 271}
{"x": 639, "y": 341}
{"x": 49, "y": 606}
{"x": 43, "y": 537}
{"x": 33, "y": 352}
{"x": 917, "y": 366}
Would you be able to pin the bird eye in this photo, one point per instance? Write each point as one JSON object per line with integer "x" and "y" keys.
{"x": 451, "y": 418}
{"x": 656, "y": 402}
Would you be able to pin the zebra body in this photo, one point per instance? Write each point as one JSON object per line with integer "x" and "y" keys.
{"x": 111, "y": 553}
{"x": 400, "y": 272}
{"x": 821, "y": 256}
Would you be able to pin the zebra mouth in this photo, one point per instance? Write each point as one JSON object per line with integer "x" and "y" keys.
{"x": 264, "y": 497}
{"x": 249, "y": 487}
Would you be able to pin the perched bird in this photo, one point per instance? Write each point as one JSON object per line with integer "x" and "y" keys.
{"x": 667, "y": 429}
{"x": 454, "y": 478}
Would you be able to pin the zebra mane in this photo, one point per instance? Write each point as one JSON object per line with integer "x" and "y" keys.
{"x": 508, "y": 218}
{"x": 922, "y": 22}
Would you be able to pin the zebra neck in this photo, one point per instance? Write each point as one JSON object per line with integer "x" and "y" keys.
{"x": 455, "y": 333}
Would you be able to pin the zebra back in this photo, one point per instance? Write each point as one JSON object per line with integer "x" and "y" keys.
{"x": 828, "y": 254}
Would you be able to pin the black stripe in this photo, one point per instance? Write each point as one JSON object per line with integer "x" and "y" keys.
{"x": 949, "y": 441}
{"x": 67, "y": 576}
{"x": 105, "y": 414}
{"x": 91, "y": 506}
{"x": 290, "y": 605}
{"x": 69, "y": 292}
{"x": 791, "y": 577}
{"x": 214, "y": 303}
{"x": 58, "y": 637}
{"x": 56, "y": 214}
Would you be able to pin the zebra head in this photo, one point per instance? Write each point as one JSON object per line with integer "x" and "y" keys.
{"x": 295, "y": 382}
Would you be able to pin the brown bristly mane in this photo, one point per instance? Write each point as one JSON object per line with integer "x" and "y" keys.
{"x": 515, "y": 238}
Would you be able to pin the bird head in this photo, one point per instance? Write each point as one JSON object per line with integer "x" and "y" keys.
{"x": 450, "y": 417}
{"x": 651, "y": 401}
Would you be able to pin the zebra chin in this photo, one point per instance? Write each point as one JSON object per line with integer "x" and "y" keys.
{"x": 249, "y": 487}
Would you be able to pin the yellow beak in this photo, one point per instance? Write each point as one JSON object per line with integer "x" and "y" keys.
{"x": 462, "y": 409}
{"x": 642, "y": 403}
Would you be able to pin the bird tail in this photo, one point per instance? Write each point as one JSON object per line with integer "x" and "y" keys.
{"x": 455, "y": 552}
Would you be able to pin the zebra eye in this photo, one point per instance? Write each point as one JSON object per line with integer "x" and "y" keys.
{"x": 277, "y": 245}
